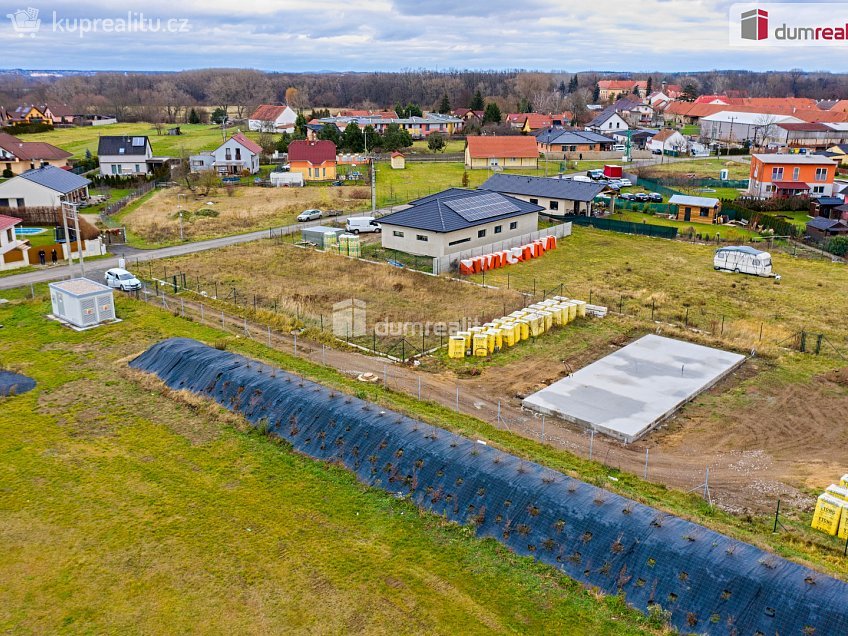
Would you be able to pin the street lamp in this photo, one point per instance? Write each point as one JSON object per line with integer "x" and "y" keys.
{"x": 69, "y": 210}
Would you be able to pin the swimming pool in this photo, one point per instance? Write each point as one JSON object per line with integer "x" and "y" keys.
{"x": 27, "y": 231}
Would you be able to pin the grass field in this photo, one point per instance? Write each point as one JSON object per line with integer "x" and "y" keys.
{"x": 673, "y": 276}
{"x": 195, "y": 138}
{"x": 129, "y": 509}
{"x": 308, "y": 283}
{"x": 727, "y": 232}
{"x": 154, "y": 220}
{"x": 704, "y": 168}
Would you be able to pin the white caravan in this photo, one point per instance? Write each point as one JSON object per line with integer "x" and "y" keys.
{"x": 743, "y": 259}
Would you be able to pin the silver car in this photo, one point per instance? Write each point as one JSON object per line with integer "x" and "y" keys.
{"x": 309, "y": 215}
{"x": 118, "y": 278}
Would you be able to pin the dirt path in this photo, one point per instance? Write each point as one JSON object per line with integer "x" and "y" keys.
{"x": 751, "y": 462}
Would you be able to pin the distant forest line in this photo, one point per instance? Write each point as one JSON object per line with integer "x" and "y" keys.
{"x": 170, "y": 96}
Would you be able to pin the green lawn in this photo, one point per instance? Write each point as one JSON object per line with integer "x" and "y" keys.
{"x": 127, "y": 509}
{"x": 690, "y": 129}
{"x": 726, "y": 232}
{"x": 704, "y": 167}
{"x": 195, "y": 138}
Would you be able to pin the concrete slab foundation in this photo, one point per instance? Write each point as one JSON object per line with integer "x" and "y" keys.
{"x": 631, "y": 391}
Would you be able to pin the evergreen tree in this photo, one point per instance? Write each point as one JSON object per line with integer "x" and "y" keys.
{"x": 436, "y": 142}
{"x": 690, "y": 92}
{"x": 401, "y": 111}
{"x": 193, "y": 117}
{"x": 492, "y": 114}
{"x": 562, "y": 89}
{"x": 596, "y": 93}
{"x": 573, "y": 85}
{"x": 414, "y": 110}
{"x": 445, "y": 107}
{"x": 300, "y": 124}
{"x": 477, "y": 101}
{"x": 330, "y": 132}
{"x": 372, "y": 138}
{"x": 524, "y": 106}
{"x": 650, "y": 87}
{"x": 352, "y": 139}
{"x": 396, "y": 138}
{"x": 636, "y": 90}
{"x": 219, "y": 115}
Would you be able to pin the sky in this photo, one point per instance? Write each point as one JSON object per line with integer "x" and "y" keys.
{"x": 390, "y": 35}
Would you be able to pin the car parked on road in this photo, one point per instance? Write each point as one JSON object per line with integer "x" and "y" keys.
{"x": 118, "y": 278}
{"x": 310, "y": 215}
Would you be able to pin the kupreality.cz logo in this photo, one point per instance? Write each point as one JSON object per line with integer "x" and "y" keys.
{"x": 789, "y": 24}
{"x": 26, "y": 22}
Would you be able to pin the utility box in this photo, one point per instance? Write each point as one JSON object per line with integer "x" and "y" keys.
{"x": 317, "y": 234}
{"x": 82, "y": 302}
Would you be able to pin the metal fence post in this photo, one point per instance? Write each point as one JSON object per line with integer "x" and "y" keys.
{"x": 269, "y": 335}
{"x": 457, "y": 397}
{"x": 419, "y": 387}
{"x": 201, "y": 312}
{"x": 591, "y": 442}
{"x": 646, "y": 465}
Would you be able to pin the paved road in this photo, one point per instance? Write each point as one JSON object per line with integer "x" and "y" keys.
{"x": 95, "y": 269}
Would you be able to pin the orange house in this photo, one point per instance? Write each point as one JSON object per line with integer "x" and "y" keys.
{"x": 315, "y": 160}
{"x": 785, "y": 175}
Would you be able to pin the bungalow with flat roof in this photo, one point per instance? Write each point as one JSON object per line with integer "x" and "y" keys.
{"x": 558, "y": 197}
{"x": 457, "y": 219}
{"x": 696, "y": 209}
{"x": 45, "y": 187}
{"x": 493, "y": 151}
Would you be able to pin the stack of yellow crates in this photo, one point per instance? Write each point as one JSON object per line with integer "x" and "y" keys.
{"x": 831, "y": 514}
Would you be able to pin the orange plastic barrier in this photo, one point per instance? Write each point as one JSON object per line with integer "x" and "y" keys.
{"x": 478, "y": 264}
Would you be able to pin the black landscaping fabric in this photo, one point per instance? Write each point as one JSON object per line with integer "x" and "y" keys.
{"x": 710, "y": 583}
{"x": 14, "y": 383}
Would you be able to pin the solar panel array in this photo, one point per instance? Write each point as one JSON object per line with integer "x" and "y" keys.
{"x": 138, "y": 141}
{"x": 482, "y": 206}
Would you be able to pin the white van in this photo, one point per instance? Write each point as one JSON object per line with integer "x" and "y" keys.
{"x": 619, "y": 148}
{"x": 743, "y": 260}
{"x": 357, "y": 224}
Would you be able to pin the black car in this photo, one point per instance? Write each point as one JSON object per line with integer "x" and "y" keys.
{"x": 655, "y": 197}
{"x": 627, "y": 196}
{"x": 640, "y": 196}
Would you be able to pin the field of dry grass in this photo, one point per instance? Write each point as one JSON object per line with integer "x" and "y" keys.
{"x": 230, "y": 211}
{"x": 307, "y": 283}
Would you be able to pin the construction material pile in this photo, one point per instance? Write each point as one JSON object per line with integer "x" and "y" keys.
{"x": 831, "y": 514}
{"x": 507, "y": 331}
{"x": 511, "y": 256}
{"x": 710, "y": 583}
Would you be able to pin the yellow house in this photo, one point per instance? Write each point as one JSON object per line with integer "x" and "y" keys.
{"x": 840, "y": 153}
{"x": 315, "y": 160}
{"x": 23, "y": 115}
{"x": 18, "y": 156}
{"x": 508, "y": 151}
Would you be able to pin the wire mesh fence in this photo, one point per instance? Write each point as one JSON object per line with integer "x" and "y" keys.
{"x": 729, "y": 479}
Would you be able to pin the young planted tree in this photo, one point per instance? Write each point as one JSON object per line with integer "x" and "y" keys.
{"x": 436, "y": 142}
{"x": 193, "y": 117}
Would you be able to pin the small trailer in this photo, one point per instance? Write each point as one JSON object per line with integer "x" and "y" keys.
{"x": 743, "y": 259}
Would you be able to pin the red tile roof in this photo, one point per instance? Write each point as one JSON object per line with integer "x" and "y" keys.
{"x": 621, "y": 85}
{"x": 251, "y": 145}
{"x": 313, "y": 151}
{"x": 664, "y": 134}
{"x": 268, "y": 112}
{"x": 8, "y": 221}
{"x": 487, "y": 146}
{"x": 791, "y": 185}
{"x": 31, "y": 150}
{"x": 806, "y": 127}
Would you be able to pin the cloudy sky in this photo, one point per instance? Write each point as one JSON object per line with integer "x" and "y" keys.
{"x": 296, "y": 35}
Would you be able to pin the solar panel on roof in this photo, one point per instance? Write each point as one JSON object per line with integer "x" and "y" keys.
{"x": 138, "y": 141}
{"x": 484, "y": 206}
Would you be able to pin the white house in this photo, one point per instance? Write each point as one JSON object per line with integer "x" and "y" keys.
{"x": 12, "y": 251}
{"x": 607, "y": 121}
{"x": 237, "y": 155}
{"x": 272, "y": 118}
{"x": 43, "y": 187}
{"x": 455, "y": 220}
{"x": 668, "y": 141}
{"x": 124, "y": 155}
